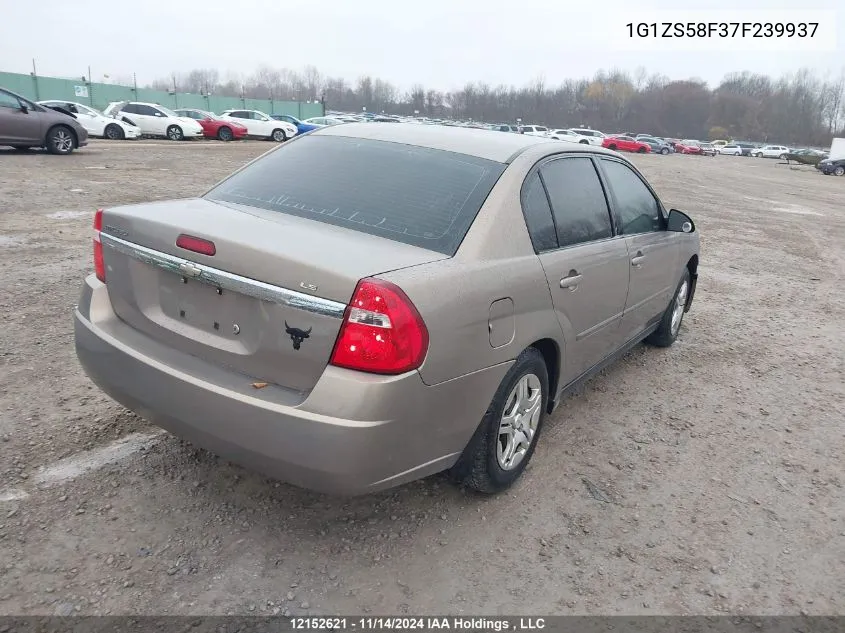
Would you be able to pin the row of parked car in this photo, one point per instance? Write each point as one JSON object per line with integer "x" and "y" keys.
{"x": 646, "y": 143}
{"x": 126, "y": 119}
{"x": 61, "y": 126}
{"x": 623, "y": 141}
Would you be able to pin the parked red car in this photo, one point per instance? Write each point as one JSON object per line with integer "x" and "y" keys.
{"x": 625, "y": 144}
{"x": 212, "y": 127}
{"x": 688, "y": 147}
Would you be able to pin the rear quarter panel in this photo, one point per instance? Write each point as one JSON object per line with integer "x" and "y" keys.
{"x": 495, "y": 261}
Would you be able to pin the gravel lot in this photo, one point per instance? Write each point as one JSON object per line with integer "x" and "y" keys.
{"x": 705, "y": 478}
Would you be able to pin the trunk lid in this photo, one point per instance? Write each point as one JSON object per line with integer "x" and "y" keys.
{"x": 273, "y": 279}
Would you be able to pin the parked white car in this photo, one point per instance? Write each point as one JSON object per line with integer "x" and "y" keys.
{"x": 731, "y": 149}
{"x": 155, "y": 120}
{"x": 569, "y": 135}
{"x": 771, "y": 151}
{"x": 95, "y": 122}
{"x": 534, "y": 130}
{"x": 325, "y": 120}
{"x": 594, "y": 137}
{"x": 261, "y": 125}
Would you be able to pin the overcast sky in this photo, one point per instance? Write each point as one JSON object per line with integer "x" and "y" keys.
{"x": 439, "y": 43}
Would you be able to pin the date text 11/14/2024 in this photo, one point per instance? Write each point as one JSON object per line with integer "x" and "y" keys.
{"x": 411, "y": 623}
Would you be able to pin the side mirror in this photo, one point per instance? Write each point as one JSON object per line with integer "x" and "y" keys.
{"x": 24, "y": 108}
{"x": 679, "y": 222}
{"x": 159, "y": 114}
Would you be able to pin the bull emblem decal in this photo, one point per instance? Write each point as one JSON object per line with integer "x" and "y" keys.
{"x": 297, "y": 335}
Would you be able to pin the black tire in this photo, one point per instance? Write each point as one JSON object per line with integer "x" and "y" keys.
{"x": 665, "y": 335}
{"x": 642, "y": 150}
{"x": 612, "y": 146}
{"x": 114, "y": 132}
{"x": 279, "y": 135}
{"x": 664, "y": 150}
{"x": 225, "y": 134}
{"x": 60, "y": 140}
{"x": 479, "y": 467}
{"x": 584, "y": 142}
{"x": 174, "y": 133}
{"x": 839, "y": 170}
{"x": 782, "y": 157}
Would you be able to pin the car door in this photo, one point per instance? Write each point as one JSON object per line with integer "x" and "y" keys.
{"x": 10, "y": 118}
{"x": 159, "y": 121}
{"x": 587, "y": 270}
{"x": 264, "y": 125}
{"x": 654, "y": 253}
{"x": 20, "y": 121}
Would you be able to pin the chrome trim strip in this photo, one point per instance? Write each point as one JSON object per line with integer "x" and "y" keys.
{"x": 226, "y": 280}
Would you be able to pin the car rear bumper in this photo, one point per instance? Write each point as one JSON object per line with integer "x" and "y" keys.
{"x": 352, "y": 433}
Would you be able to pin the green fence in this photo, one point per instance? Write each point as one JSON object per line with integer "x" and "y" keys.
{"x": 99, "y": 95}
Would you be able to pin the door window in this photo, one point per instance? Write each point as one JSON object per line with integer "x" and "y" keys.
{"x": 9, "y": 101}
{"x": 636, "y": 208}
{"x": 538, "y": 215}
{"x": 578, "y": 202}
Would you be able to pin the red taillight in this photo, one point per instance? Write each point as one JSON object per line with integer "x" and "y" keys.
{"x": 382, "y": 332}
{"x": 99, "y": 262}
{"x": 196, "y": 244}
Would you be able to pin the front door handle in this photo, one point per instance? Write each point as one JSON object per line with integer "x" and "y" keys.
{"x": 637, "y": 261}
{"x": 571, "y": 281}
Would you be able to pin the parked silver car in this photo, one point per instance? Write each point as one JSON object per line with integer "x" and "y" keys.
{"x": 371, "y": 304}
{"x": 24, "y": 124}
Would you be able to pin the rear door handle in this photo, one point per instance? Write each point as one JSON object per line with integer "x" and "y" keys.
{"x": 637, "y": 261}
{"x": 571, "y": 282}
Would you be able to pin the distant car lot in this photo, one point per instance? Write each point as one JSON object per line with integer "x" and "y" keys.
{"x": 702, "y": 480}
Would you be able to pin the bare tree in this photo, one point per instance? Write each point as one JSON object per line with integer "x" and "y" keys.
{"x": 795, "y": 108}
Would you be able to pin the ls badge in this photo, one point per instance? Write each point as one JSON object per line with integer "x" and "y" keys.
{"x": 297, "y": 335}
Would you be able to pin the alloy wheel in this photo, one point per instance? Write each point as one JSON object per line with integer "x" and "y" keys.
{"x": 519, "y": 422}
{"x": 62, "y": 141}
{"x": 678, "y": 309}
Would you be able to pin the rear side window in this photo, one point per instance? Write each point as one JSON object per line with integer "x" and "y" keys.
{"x": 538, "y": 215}
{"x": 578, "y": 202}
{"x": 419, "y": 196}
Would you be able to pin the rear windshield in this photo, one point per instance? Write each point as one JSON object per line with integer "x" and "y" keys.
{"x": 419, "y": 196}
